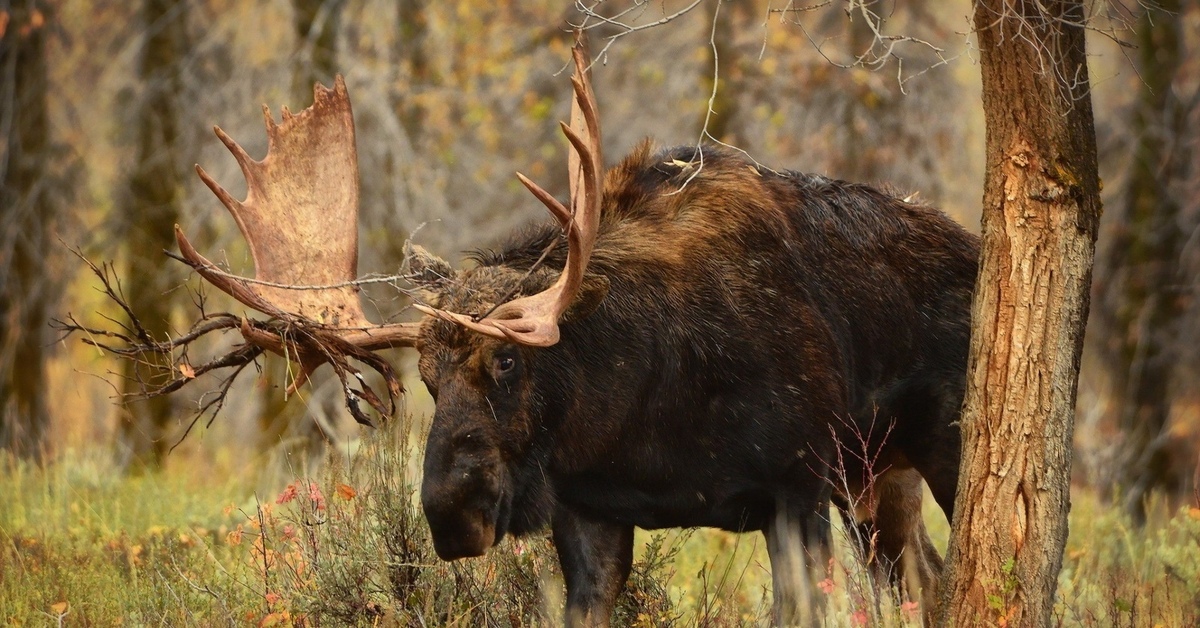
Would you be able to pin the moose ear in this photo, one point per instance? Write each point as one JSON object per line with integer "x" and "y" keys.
{"x": 591, "y": 294}
{"x": 425, "y": 269}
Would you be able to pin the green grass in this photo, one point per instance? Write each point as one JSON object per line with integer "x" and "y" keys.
{"x": 81, "y": 542}
{"x": 194, "y": 546}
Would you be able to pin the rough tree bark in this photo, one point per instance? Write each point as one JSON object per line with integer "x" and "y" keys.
{"x": 1141, "y": 301}
{"x": 155, "y": 193}
{"x": 26, "y": 214}
{"x": 1041, "y": 207}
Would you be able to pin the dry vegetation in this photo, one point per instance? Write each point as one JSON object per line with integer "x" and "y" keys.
{"x": 350, "y": 547}
{"x": 238, "y": 531}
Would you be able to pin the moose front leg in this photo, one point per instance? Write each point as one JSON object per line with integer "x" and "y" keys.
{"x": 596, "y": 558}
{"x": 798, "y": 541}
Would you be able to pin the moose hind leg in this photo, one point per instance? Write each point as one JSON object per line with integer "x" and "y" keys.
{"x": 890, "y": 535}
{"x": 596, "y": 558}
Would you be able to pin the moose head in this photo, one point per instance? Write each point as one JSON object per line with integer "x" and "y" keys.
{"x": 477, "y": 342}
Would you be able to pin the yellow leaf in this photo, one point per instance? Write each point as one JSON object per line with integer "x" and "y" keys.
{"x": 58, "y": 608}
{"x": 187, "y": 371}
{"x": 346, "y": 492}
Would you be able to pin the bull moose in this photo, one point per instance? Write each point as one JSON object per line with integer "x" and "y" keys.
{"x": 694, "y": 342}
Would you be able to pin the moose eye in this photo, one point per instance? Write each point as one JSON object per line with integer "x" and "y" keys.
{"x": 504, "y": 366}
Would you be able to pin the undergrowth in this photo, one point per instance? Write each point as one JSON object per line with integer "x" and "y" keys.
{"x": 82, "y": 545}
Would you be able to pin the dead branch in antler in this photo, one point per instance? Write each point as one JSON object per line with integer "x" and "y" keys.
{"x": 300, "y": 219}
{"x": 168, "y": 359}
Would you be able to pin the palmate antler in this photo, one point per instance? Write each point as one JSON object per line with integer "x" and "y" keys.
{"x": 300, "y": 219}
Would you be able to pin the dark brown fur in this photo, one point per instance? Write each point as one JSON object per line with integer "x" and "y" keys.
{"x": 736, "y": 329}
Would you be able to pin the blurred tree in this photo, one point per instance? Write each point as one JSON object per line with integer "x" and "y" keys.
{"x": 858, "y": 162}
{"x": 416, "y": 76}
{"x": 412, "y": 27}
{"x": 27, "y": 213}
{"x": 1041, "y": 208}
{"x": 155, "y": 190}
{"x": 1140, "y": 296}
{"x": 316, "y": 24}
{"x": 725, "y": 58}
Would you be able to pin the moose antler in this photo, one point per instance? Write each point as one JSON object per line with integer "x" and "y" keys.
{"x": 533, "y": 320}
{"x": 300, "y": 219}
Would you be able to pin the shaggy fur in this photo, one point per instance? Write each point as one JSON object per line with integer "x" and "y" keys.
{"x": 738, "y": 326}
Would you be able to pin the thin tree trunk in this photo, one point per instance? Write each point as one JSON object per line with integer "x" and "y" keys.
{"x": 1143, "y": 264}
{"x": 857, "y": 161}
{"x": 316, "y": 25}
{"x": 283, "y": 420}
{"x": 412, "y": 32}
{"x": 723, "y": 53}
{"x": 26, "y": 215}
{"x": 1040, "y": 213}
{"x": 155, "y": 189}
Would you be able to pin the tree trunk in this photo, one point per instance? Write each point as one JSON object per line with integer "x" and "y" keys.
{"x": 316, "y": 24}
{"x": 284, "y": 421}
{"x": 1040, "y": 212}
{"x": 723, "y": 53}
{"x": 155, "y": 189}
{"x": 1142, "y": 313}
{"x": 411, "y": 42}
{"x": 26, "y": 215}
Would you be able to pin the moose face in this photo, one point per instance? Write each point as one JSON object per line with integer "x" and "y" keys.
{"x": 491, "y": 398}
{"x": 478, "y": 350}
{"x": 483, "y": 424}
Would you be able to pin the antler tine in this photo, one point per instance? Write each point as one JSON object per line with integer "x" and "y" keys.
{"x": 533, "y": 320}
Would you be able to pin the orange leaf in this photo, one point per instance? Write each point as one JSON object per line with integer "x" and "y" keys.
{"x": 187, "y": 371}
{"x": 59, "y": 608}
{"x": 346, "y": 492}
{"x": 287, "y": 494}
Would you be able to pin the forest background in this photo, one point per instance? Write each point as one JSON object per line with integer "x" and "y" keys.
{"x": 105, "y": 106}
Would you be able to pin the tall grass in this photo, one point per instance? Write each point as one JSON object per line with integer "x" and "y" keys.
{"x": 82, "y": 545}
